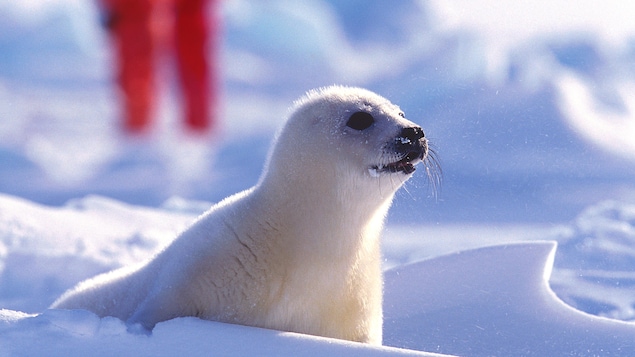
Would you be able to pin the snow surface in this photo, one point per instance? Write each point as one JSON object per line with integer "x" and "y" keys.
{"x": 471, "y": 302}
{"x": 493, "y": 301}
{"x": 528, "y": 105}
{"x": 80, "y": 333}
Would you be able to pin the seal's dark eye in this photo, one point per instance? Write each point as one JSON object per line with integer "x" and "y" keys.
{"x": 360, "y": 121}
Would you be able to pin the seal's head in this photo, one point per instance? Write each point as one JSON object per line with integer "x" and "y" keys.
{"x": 351, "y": 134}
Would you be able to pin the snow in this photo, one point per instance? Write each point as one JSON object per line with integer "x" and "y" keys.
{"x": 598, "y": 124}
{"x": 503, "y": 25}
{"x": 471, "y": 302}
{"x": 493, "y": 301}
{"x": 529, "y": 107}
{"x": 80, "y": 333}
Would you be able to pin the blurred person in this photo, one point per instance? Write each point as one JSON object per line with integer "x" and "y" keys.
{"x": 142, "y": 29}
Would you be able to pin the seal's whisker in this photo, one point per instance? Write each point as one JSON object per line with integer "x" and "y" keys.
{"x": 433, "y": 171}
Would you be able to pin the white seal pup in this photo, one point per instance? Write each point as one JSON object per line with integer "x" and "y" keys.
{"x": 299, "y": 251}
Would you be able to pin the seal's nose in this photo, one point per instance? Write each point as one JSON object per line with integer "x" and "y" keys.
{"x": 412, "y": 134}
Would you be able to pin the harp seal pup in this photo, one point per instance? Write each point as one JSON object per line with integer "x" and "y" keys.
{"x": 299, "y": 251}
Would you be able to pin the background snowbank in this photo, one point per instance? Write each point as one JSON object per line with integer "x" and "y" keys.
{"x": 523, "y": 122}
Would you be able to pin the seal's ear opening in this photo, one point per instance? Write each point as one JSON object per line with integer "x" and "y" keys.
{"x": 360, "y": 121}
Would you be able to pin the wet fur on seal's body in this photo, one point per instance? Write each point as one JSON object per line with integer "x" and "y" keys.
{"x": 299, "y": 251}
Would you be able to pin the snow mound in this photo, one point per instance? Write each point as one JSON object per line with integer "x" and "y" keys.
{"x": 493, "y": 301}
{"x": 46, "y": 250}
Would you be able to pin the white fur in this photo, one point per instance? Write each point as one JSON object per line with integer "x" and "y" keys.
{"x": 299, "y": 252}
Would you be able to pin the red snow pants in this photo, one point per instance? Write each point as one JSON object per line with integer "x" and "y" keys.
{"x": 142, "y": 27}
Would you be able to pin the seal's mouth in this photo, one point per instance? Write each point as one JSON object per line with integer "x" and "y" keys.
{"x": 405, "y": 165}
